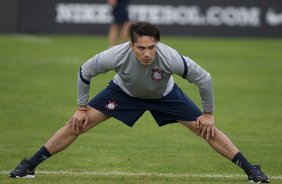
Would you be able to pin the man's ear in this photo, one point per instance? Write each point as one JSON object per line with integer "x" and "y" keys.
{"x": 131, "y": 45}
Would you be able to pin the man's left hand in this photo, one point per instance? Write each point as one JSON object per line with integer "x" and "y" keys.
{"x": 205, "y": 125}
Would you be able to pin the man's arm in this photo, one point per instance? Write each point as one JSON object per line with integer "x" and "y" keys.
{"x": 192, "y": 72}
{"x": 100, "y": 63}
{"x": 83, "y": 86}
{"x": 206, "y": 93}
{"x": 198, "y": 76}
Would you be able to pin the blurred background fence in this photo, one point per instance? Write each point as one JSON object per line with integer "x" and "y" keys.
{"x": 240, "y": 18}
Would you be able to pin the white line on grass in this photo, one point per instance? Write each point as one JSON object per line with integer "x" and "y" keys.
{"x": 34, "y": 39}
{"x": 117, "y": 173}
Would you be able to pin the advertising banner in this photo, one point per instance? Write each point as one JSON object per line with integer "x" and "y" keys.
{"x": 181, "y": 17}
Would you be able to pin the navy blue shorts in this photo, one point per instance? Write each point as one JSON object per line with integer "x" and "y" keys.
{"x": 120, "y": 12}
{"x": 113, "y": 102}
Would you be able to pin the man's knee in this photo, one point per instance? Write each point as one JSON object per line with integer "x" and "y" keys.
{"x": 197, "y": 130}
{"x": 69, "y": 130}
{"x": 190, "y": 124}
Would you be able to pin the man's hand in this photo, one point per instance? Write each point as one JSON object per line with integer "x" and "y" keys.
{"x": 205, "y": 125}
{"x": 78, "y": 121}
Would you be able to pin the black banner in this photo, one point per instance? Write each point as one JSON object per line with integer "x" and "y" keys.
{"x": 182, "y": 17}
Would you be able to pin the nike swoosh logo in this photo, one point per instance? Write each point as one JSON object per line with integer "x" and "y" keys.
{"x": 273, "y": 18}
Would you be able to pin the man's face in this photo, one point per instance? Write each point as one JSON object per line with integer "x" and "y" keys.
{"x": 144, "y": 49}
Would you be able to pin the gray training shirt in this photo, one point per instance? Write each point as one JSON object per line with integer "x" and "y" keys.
{"x": 146, "y": 82}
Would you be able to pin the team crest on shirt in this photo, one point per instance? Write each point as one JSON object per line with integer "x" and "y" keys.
{"x": 111, "y": 105}
{"x": 157, "y": 74}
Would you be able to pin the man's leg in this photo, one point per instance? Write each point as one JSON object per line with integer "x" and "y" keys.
{"x": 58, "y": 142}
{"x": 220, "y": 142}
{"x": 124, "y": 32}
{"x": 223, "y": 145}
{"x": 64, "y": 136}
{"x": 113, "y": 35}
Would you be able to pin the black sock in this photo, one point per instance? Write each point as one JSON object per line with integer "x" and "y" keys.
{"x": 242, "y": 162}
{"x": 41, "y": 155}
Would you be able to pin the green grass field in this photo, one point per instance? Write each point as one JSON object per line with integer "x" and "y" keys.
{"x": 38, "y": 95}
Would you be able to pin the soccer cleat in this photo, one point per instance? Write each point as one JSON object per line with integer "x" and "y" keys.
{"x": 23, "y": 170}
{"x": 257, "y": 176}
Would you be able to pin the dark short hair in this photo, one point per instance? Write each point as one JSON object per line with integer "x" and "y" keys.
{"x": 144, "y": 29}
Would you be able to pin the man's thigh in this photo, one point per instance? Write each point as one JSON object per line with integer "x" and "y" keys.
{"x": 94, "y": 118}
